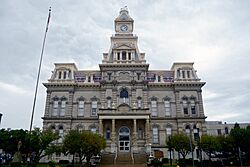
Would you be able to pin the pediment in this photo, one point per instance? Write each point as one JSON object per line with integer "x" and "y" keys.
{"x": 123, "y": 108}
{"x": 123, "y": 47}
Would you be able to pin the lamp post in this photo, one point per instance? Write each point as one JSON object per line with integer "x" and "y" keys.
{"x": 170, "y": 144}
{"x": 196, "y": 132}
{"x": 190, "y": 142}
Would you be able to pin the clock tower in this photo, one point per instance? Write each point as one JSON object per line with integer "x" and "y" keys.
{"x": 124, "y": 23}
{"x": 124, "y": 48}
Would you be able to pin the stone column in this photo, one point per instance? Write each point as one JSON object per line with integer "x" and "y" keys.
{"x": 135, "y": 136}
{"x": 201, "y": 110}
{"x": 47, "y": 105}
{"x": 147, "y": 131}
{"x": 178, "y": 104}
{"x": 70, "y": 104}
{"x": 100, "y": 127}
{"x": 113, "y": 137}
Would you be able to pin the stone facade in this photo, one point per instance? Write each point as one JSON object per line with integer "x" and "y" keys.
{"x": 133, "y": 107}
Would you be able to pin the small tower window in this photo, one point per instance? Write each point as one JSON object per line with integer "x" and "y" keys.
{"x": 60, "y": 75}
{"x": 123, "y": 55}
{"x": 138, "y": 76}
{"x": 183, "y": 74}
{"x": 118, "y": 56}
{"x": 129, "y": 56}
{"x": 64, "y": 74}
{"x": 89, "y": 79}
{"x": 188, "y": 74}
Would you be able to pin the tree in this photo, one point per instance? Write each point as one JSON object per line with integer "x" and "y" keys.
{"x": 181, "y": 143}
{"x": 210, "y": 145}
{"x": 42, "y": 143}
{"x": 86, "y": 144}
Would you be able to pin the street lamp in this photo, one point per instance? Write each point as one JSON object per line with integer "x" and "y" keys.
{"x": 197, "y": 136}
{"x": 169, "y": 132}
{"x": 190, "y": 142}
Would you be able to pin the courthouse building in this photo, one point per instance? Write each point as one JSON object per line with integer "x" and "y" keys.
{"x": 133, "y": 107}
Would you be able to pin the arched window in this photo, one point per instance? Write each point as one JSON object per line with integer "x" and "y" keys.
{"x": 61, "y": 134}
{"x": 124, "y": 96}
{"x": 124, "y": 93}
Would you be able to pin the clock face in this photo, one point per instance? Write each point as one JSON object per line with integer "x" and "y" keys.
{"x": 124, "y": 27}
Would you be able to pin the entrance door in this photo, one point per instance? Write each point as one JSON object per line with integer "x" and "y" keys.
{"x": 124, "y": 139}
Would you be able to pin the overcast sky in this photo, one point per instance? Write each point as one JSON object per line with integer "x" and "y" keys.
{"x": 214, "y": 34}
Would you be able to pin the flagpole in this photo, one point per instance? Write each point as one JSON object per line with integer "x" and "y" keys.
{"x": 39, "y": 70}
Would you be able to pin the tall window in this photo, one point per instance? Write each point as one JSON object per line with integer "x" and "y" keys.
{"x": 169, "y": 131}
{"x": 140, "y": 133}
{"x": 81, "y": 108}
{"x": 94, "y": 108}
{"x": 154, "y": 108}
{"x": 109, "y": 102}
{"x": 123, "y": 55}
{"x": 118, "y": 56}
{"x": 108, "y": 133}
{"x": 185, "y": 107}
{"x": 89, "y": 79}
{"x": 193, "y": 109}
{"x": 188, "y": 74}
{"x": 129, "y": 56}
{"x": 64, "y": 74}
{"x": 139, "y": 103}
{"x": 167, "y": 107}
{"x": 183, "y": 74}
{"x": 55, "y": 108}
{"x": 60, "y": 75}
{"x": 124, "y": 95}
{"x": 61, "y": 134}
{"x": 63, "y": 107}
{"x": 155, "y": 135}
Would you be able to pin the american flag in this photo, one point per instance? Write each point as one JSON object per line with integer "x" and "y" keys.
{"x": 168, "y": 76}
{"x": 47, "y": 26}
{"x": 151, "y": 77}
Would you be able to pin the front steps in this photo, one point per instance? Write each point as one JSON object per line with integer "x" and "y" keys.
{"x": 124, "y": 159}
